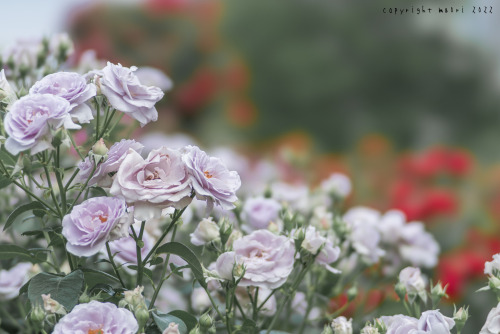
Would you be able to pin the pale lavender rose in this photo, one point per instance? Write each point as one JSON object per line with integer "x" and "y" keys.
{"x": 115, "y": 157}
{"x": 7, "y": 94}
{"x": 364, "y": 235}
{"x": 126, "y": 93}
{"x": 412, "y": 280}
{"x": 206, "y": 231}
{"x": 268, "y": 259}
{"x": 200, "y": 300}
{"x": 13, "y": 279}
{"x": 314, "y": 242}
{"x": 32, "y": 119}
{"x": 337, "y": 184}
{"x": 417, "y": 246}
{"x": 94, "y": 222}
{"x": 400, "y": 324}
{"x": 433, "y": 322}
{"x": 211, "y": 179}
{"x": 23, "y": 53}
{"x": 73, "y": 88}
{"x": 295, "y": 196}
{"x": 152, "y": 184}
{"x": 258, "y": 212}
{"x": 97, "y": 317}
{"x": 492, "y": 324}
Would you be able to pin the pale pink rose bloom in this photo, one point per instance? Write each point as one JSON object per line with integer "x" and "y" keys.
{"x": 152, "y": 184}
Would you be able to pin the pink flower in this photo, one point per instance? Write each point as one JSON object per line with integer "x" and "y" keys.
{"x": 115, "y": 157}
{"x": 211, "y": 179}
{"x": 94, "y": 222}
{"x": 31, "y": 121}
{"x": 126, "y": 93}
{"x": 267, "y": 258}
{"x": 433, "y": 322}
{"x": 73, "y": 88}
{"x": 152, "y": 184}
{"x": 13, "y": 279}
{"x": 258, "y": 212}
{"x": 97, "y": 317}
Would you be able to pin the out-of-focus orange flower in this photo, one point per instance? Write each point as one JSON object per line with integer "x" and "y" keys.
{"x": 242, "y": 113}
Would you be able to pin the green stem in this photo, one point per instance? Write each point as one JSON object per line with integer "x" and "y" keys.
{"x": 163, "y": 273}
{"x": 137, "y": 238}
{"x": 110, "y": 256}
{"x": 254, "y": 304}
{"x": 107, "y": 121}
{"x": 175, "y": 218}
{"x": 53, "y": 253}
{"x": 295, "y": 284}
{"x": 62, "y": 191}
{"x": 237, "y": 303}
{"x": 26, "y": 190}
{"x": 68, "y": 184}
{"x": 51, "y": 189}
{"x": 76, "y": 147}
{"x": 83, "y": 187}
{"x": 98, "y": 115}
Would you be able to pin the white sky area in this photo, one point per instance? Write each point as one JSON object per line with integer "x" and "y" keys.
{"x": 35, "y": 18}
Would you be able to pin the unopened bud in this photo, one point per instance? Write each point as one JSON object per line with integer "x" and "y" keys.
{"x": 100, "y": 148}
{"x": 195, "y": 330}
{"x": 205, "y": 321}
{"x": 461, "y": 317}
{"x": 273, "y": 227}
{"x": 352, "y": 293}
{"x": 142, "y": 316}
{"x": 400, "y": 290}
{"x": 84, "y": 298}
{"x": 327, "y": 330}
{"x": 37, "y": 315}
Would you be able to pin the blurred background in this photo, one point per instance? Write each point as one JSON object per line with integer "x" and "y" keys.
{"x": 407, "y": 105}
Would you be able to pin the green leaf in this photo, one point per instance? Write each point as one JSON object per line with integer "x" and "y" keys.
{"x": 98, "y": 192}
{"x": 6, "y": 158}
{"x": 163, "y": 320}
{"x": 93, "y": 277}
{"x": 64, "y": 289}
{"x": 19, "y": 210}
{"x": 106, "y": 288}
{"x": 249, "y": 326}
{"x": 273, "y": 332}
{"x": 4, "y": 181}
{"x": 186, "y": 317}
{"x": 13, "y": 251}
{"x": 188, "y": 256}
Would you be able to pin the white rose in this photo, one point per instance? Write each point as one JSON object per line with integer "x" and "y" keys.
{"x": 433, "y": 322}
{"x": 206, "y": 231}
{"x": 492, "y": 324}
{"x": 412, "y": 279}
